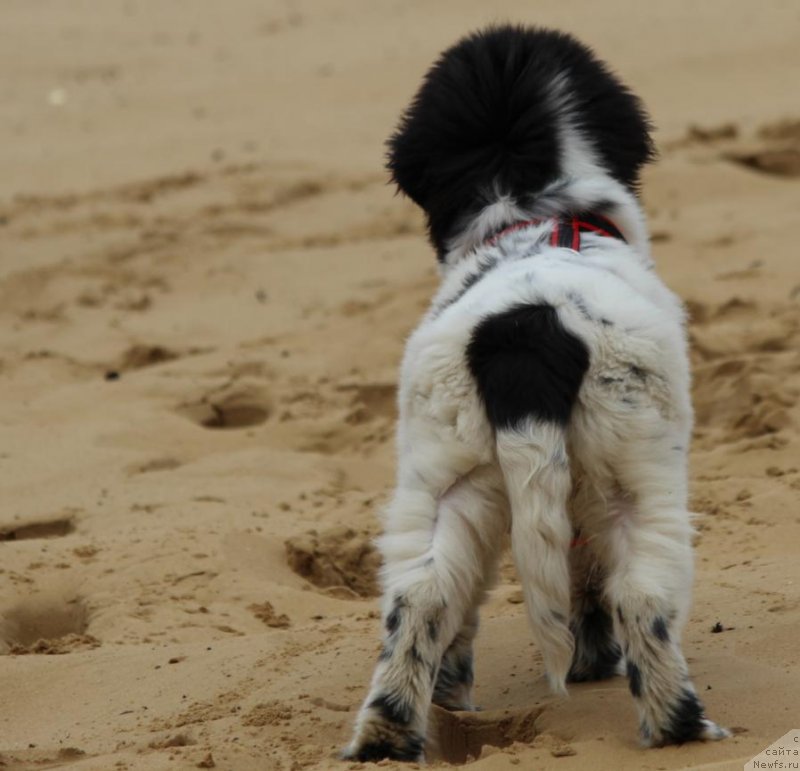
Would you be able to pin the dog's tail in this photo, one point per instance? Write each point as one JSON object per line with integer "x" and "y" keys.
{"x": 529, "y": 369}
{"x": 534, "y": 461}
{"x": 493, "y": 119}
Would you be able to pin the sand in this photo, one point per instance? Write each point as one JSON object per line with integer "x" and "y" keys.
{"x": 205, "y": 284}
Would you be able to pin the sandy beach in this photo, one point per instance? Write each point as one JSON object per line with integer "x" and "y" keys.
{"x": 205, "y": 287}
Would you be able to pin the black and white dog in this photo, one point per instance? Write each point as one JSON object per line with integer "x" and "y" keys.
{"x": 545, "y": 393}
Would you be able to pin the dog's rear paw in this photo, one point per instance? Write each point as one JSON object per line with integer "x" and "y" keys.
{"x": 383, "y": 749}
{"x": 711, "y": 732}
{"x": 377, "y": 739}
{"x": 700, "y": 730}
{"x": 683, "y": 720}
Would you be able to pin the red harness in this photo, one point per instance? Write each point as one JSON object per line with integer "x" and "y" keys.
{"x": 567, "y": 230}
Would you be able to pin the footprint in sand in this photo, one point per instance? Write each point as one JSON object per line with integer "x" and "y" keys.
{"x": 745, "y": 362}
{"x": 370, "y": 401}
{"x": 463, "y": 735}
{"x": 778, "y": 162}
{"x": 240, "y": 406}
{"x": 51, "y": 528}
{"x": 46, "y": 625}
{"x": 339, "y": 561}
{"x": 774, "y": 151}
{"x": 140, "y": 355}
{"x": 779, "y": 153}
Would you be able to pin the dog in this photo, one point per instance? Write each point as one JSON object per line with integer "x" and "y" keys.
{"x": 545, "y": 394}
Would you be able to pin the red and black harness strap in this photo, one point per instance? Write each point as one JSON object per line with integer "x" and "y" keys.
{"x": 567, "y": 230}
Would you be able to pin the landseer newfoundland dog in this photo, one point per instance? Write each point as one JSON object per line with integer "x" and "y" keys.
{"x": 545, "y": 394}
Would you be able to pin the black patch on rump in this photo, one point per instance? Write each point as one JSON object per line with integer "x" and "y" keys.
{"x": 485, "y": 121}
{"x": 526, "y": 365}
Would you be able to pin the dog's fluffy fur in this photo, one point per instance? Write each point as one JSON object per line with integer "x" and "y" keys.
{"x": 545, "y": 393}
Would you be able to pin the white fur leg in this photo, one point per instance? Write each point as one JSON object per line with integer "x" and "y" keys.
{"x": 437, "y": 552}
{"x": 535, "y": 465}
{"x": 649, "y": 588}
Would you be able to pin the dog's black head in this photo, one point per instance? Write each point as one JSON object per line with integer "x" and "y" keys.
{"x": 498, "y": 114}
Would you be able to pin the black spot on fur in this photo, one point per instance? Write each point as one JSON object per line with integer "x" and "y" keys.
{"x": 393, "y": 619}
{"x": 433, "y": 630}
{"x": 526, "y": 365}
{"x": 619, "y": 614}
{"x": 393, "y": 709}
{"x": 660, "y": 629}
{"x": 634, "y": 679}
{"x": 486, "y": 119}
{"x": 415, "y": 655}
{"x": 685, "y": 720}
{"x": 596, "y": 651}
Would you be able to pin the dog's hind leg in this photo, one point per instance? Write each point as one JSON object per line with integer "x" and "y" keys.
{"x": 437, "y": 550}
{"x": 453, "y": 688}
{"x": 597, "y": 653}
{"x": 650, "y": 575}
